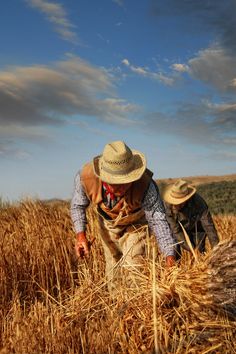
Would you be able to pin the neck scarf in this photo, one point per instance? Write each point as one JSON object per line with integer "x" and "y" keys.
{"x": 109, "y": 197}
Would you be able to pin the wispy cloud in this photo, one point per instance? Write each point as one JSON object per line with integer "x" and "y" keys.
{"x": 25, "y": 133}
{"x": 145, "y": 72}
{"x": 208, "y": 122}
{"x": 107, "y": 41}
{"x": 216, "y": 67}
{"x": 213, "y": 66}
{"x": 35, "y": 97}
{"x": 8, "y": 149}
{"x": 119, "y": 2}
{"x": 38, "y": 96}
{"x": 202, "y": 123}
{"x": 57, "y": 15}
{"x": 224, "y": 155}
{"x": 217, "y": 16}
{"x": 14, "y": 136}
{"x": 117, "y": 108}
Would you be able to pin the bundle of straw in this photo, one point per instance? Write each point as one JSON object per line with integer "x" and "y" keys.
{"x": 221, "y": 285}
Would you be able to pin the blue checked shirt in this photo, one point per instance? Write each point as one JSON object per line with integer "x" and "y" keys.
{"x": 153, "y": 208}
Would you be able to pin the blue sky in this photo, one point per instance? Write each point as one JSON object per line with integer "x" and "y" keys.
{"x": 74, "y": 75}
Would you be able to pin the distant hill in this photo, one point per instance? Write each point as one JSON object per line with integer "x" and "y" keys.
{"x": 197, "y": 180}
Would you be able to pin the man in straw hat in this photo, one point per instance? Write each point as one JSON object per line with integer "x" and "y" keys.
{"x": 189, "y": 217}
{"x": 126, "y": 200}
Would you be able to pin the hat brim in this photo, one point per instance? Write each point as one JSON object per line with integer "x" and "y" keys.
{"x": 166, "y": 195}
{"x": 136, "y": 173}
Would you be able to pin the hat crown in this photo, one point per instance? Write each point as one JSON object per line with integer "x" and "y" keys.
{"x": 179, "y": 192}
{"x": 119, "y": 164}
{"x": 180, "y": 188}
{"x": 117, "y": 158}
{"x": 117, "y": 152}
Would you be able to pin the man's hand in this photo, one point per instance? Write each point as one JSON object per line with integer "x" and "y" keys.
{"x": 81, "y": 245}
{"x": 170, "y": 261}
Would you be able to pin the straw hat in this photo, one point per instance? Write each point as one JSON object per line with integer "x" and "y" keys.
{"x": 179, "y": 192}
{"x": 119, "y": 164}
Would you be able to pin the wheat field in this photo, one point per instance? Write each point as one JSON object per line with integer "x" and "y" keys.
{"x": 52, "y": 303}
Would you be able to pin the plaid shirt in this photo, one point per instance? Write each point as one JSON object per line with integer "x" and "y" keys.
{"x": 152, "y": 206}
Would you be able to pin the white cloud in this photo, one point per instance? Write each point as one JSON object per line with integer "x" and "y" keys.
{"x": 125, "y": 62}
{"x": 139, "y": 70}
{"x": 56, "y": 14}
{"x": 145, "y": 72}
{"x": 180, "y": 67}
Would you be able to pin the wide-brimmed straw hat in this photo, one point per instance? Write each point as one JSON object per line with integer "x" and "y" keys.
{"x": 178, "y": 193}
{"x": 119, "y": 164}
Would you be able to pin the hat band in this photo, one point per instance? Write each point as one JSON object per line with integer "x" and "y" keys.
{"x": 119, "y": 162}
{"x": 117, "y": 172}
{"x": 178, "y": 194}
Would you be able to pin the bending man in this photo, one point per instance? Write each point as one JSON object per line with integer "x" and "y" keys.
{"x": 126, "y": 201}
{"x": 187, "y": 209}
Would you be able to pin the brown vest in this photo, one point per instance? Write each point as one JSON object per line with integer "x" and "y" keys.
{"x": 129, "y": 204}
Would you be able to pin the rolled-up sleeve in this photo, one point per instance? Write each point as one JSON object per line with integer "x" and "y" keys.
{"x": 79, "y": 203}
{"x": 156, "y": 218}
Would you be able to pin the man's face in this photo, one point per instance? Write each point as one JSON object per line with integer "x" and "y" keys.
{"x": 178, "y": 207}
{"x": 119, "y": 189}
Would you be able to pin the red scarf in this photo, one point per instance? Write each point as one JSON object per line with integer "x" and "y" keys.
{"x": 110, "y": 198}
{"x": 108, "y": 191}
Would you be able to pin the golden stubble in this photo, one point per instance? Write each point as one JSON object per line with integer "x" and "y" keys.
{"x": 52, "y": 303}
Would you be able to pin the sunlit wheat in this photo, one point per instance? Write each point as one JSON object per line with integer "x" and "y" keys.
{"x": 52, "y": 304}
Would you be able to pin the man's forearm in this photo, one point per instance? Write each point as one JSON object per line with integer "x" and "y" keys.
{"x": 79, "y": 203}
{"x": 164, "y": 237}
{"x": 78, "y": 216}
{"x": 156, "y": 218}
